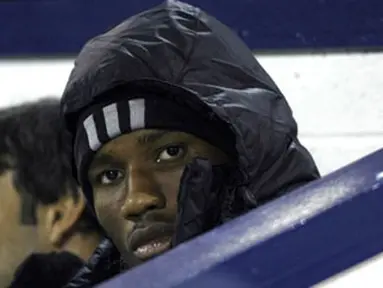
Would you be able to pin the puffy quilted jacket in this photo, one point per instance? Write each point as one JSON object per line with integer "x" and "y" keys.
{"x": 179, "y": 51}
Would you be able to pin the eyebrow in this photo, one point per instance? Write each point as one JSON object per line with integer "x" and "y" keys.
{"x": 151, "y": 137}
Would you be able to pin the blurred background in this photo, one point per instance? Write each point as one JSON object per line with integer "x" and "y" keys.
{"x": 325, "y": 55}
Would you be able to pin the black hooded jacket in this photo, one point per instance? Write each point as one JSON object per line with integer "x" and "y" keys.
{"x": 46, "y": 270}
{"x": 179, "y": 51}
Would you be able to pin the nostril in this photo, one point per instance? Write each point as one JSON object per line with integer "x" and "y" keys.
{"x": 134, "y": 218}
{"x": 136, "y": 215}
{"x": 152, "y": 207}
{"x": 139, "y": 211}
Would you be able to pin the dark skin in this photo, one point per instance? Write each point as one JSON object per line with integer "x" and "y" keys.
{"x": 17, "y": 240}
{"x": 29, "y": 227}
{"x": 135, "y": 180}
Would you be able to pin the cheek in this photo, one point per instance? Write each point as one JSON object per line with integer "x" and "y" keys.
{"x": 107, "y": 210}
{"x": 108, "y": 202}
{"x": 170, "y": 184}
{"x": 108, "y": 207}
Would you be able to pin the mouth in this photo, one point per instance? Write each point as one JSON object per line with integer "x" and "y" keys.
{"x": 151, "y": 241}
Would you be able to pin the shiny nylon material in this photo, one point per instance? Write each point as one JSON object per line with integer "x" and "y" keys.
{"x": 179, "y": 51}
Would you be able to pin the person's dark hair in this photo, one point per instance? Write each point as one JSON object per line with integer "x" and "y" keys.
{"x": 35, "y": 145}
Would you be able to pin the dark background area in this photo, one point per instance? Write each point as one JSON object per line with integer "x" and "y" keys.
{"x": 60, "y": 27}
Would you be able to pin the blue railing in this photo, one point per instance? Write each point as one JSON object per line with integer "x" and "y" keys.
{"x": 296, "y": 241}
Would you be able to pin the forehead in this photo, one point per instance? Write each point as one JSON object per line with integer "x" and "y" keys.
{"x": 136, "y": 143}
{"x": 136, "y": 140}
{"x": 10, "y": 199}
{"x": 6, "y": 181}
{"x": 132, "y": 140}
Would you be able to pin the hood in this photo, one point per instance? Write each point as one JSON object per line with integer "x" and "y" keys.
{"x": 177, "y": 49}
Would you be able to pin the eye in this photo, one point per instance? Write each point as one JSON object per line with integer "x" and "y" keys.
{"x": 108, "y": 177}
{"x": 171, "y": 153}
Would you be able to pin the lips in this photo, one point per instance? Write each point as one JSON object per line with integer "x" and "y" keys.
{"x": 151, "y": 240}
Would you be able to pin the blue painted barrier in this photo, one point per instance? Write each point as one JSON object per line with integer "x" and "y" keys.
{"x": 295, "y": 241}
{"x": 52, "y": 27}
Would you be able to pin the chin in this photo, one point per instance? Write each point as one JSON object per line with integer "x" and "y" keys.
{"x": 128, "y": 259}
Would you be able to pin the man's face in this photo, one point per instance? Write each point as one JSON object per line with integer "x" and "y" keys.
{"x": 135, "y": 180}
{"x": 18, "y": 236}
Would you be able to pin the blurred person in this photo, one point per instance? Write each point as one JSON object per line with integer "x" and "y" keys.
{"x": 46, "y": 234}
{"x": 177, "y": 129}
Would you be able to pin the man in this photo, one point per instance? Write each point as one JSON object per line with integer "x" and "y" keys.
{"x": 177, "y": 129}
{"x": 41, "y": 209}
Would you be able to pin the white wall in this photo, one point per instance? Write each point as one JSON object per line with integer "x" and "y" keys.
{"x": 336, "y": 99}
{"x": 365, "y": 274}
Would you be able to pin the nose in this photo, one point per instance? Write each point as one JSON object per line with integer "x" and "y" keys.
{"x": 142, "y": 195}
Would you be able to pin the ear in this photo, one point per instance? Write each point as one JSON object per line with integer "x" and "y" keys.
{"x": 61, "y": 218}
